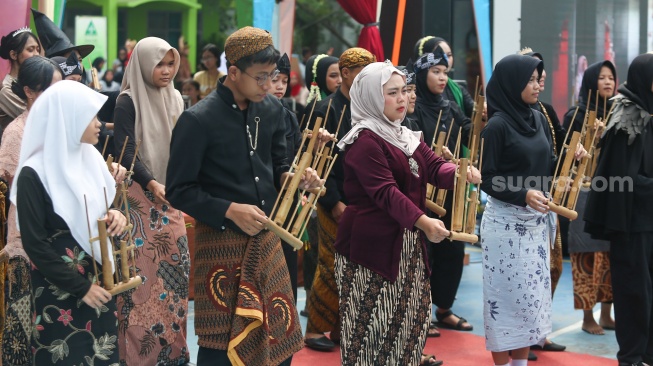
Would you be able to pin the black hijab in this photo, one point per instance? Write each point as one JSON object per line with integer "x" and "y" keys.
{"x": 429, "y": 45}
{"x": 321, "y": 72}
{"x": 591, "y": 82}
{"x": 638, "y": 85}
{"x": 423, "y": 92}
{"x": 504, "y": 89}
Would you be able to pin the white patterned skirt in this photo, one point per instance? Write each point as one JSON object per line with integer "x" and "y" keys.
{"x": 383, "y": 322}
{"x": 516, "y": 275}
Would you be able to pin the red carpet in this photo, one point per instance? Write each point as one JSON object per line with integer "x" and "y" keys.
{"x": 460, "y": 349}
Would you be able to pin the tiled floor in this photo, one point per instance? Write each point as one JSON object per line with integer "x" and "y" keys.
{"x": 566, "y": 320}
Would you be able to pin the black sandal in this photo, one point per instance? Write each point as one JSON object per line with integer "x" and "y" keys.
{"x": 458, "y": 326}
{"x": 426, "y": 360}
{"x": 432, "y": 327}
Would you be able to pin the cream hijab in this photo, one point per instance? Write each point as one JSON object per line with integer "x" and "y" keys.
{"x": 367, "y": 103}
{"x": 157, "y": 109}
{"x": 68, "y": 168}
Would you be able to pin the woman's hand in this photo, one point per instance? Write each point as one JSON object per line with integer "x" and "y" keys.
{"x": 96, "y": 296}
{"x": 116, "y": 222}
{"x": 433, "y": 228}
{"x": 537, "y": 201}
{"x": 473, "y": 175}
{"x": 118, "y": 172}
{"x": 446, "y": 154}
{"x": 159, "y": 192}
{"x": 580, "y": 152}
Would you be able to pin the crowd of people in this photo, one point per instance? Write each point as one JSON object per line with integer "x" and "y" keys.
{"x": 376, "y": 258}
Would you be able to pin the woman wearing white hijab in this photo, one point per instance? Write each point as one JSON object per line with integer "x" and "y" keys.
{"x": 385, "y": 305}
{"x": 60, "y": 177}
{"x": 153, "y": 316}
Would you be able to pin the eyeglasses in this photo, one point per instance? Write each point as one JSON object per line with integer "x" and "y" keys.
{"x": 261, "y": 80}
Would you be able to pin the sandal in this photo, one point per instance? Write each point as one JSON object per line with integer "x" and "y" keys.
{"x": 458, "y": 326}
{"x": 433, "y": 331}
{"x": 429, "y": 360}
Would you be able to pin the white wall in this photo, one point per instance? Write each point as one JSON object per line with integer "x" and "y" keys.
{"x": 506, "y": 35}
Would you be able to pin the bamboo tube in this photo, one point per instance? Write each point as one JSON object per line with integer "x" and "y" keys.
{"x": 561, "y": 184}
{"x": 458, "y": 209}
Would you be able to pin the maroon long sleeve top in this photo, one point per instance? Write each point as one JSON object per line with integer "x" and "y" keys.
{"x": 384, "y": 199}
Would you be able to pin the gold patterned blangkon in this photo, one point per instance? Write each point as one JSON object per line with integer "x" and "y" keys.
{"x": 246, "y": 42}
{"x": 356, "y": 57}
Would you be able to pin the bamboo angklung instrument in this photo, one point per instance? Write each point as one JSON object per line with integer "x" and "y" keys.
{"x": 123, "y": 281}
{"x": 432, "y": 193}
{"x": 465, "y": 201}
{"x": 567, "y": 174}
{"x": 95, "y": 82}
{"x": 308, "y": 156}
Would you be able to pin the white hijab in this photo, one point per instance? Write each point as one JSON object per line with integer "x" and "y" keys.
{"x": 68, "y": 169}
{"x": 367, "y": 104}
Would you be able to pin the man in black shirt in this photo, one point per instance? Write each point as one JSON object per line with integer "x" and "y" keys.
{"x": 227, "y": 161}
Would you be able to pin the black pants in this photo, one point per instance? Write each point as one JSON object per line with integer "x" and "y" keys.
{"x": 631, "y": 265}
{"x": 446, "y": 260}
{"x": 218, "y": 357}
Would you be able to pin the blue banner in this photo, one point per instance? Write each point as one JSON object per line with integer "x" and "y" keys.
{"x": 263, "y": 14}
{"x": 482, "y": 15}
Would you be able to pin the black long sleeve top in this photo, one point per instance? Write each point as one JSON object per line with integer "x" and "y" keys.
{"x": 513, "y": 162}
{"x": 214, "y": 161}
{"x": 38, "y": 222}
{"x": 125, "y": 122}
{"x": 468, "y": 101}
{"x": 334, "y": 183}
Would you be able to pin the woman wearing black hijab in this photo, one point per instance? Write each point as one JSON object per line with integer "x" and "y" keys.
{"x": 322, "y": 76}
{"x": 623, "y": 214}
{"x": 590, "y": 258}
{"x": 517, "y": 229}
{"x": 445, "y": 258}
{"x": 453, "y": 92}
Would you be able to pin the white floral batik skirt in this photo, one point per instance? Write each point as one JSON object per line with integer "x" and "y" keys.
{"x": 516, "y": 275}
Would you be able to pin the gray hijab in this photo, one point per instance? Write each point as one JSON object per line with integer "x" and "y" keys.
{"x": 367, "y": 103}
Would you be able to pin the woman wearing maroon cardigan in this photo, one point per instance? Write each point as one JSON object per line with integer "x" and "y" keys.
{"x": 380, "y": 266}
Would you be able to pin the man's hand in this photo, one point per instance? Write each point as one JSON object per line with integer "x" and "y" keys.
{"x": 248, "y": 218}
{"x": 159, "y": 191}
{"x": 338, "y": 210}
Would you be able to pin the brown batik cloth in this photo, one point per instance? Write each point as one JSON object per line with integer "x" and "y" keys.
{"x": 385, "y": 322}
{"x": 243, "y": 297}
{"x": 322, "y": 304}
{"x": 592, "y": 281}
{"x": 556, "y": 261}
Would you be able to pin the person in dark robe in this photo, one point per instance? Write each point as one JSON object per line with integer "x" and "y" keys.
{"x": 590, "y": 258}
{"x": 322, "y": 76}
{"x": 228, "y": 160}
{"x": 623, "y": 213}
{"x": 322, "y": 302}
{"x": 453, "y": 92}
{"x": 446, "y": 258}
